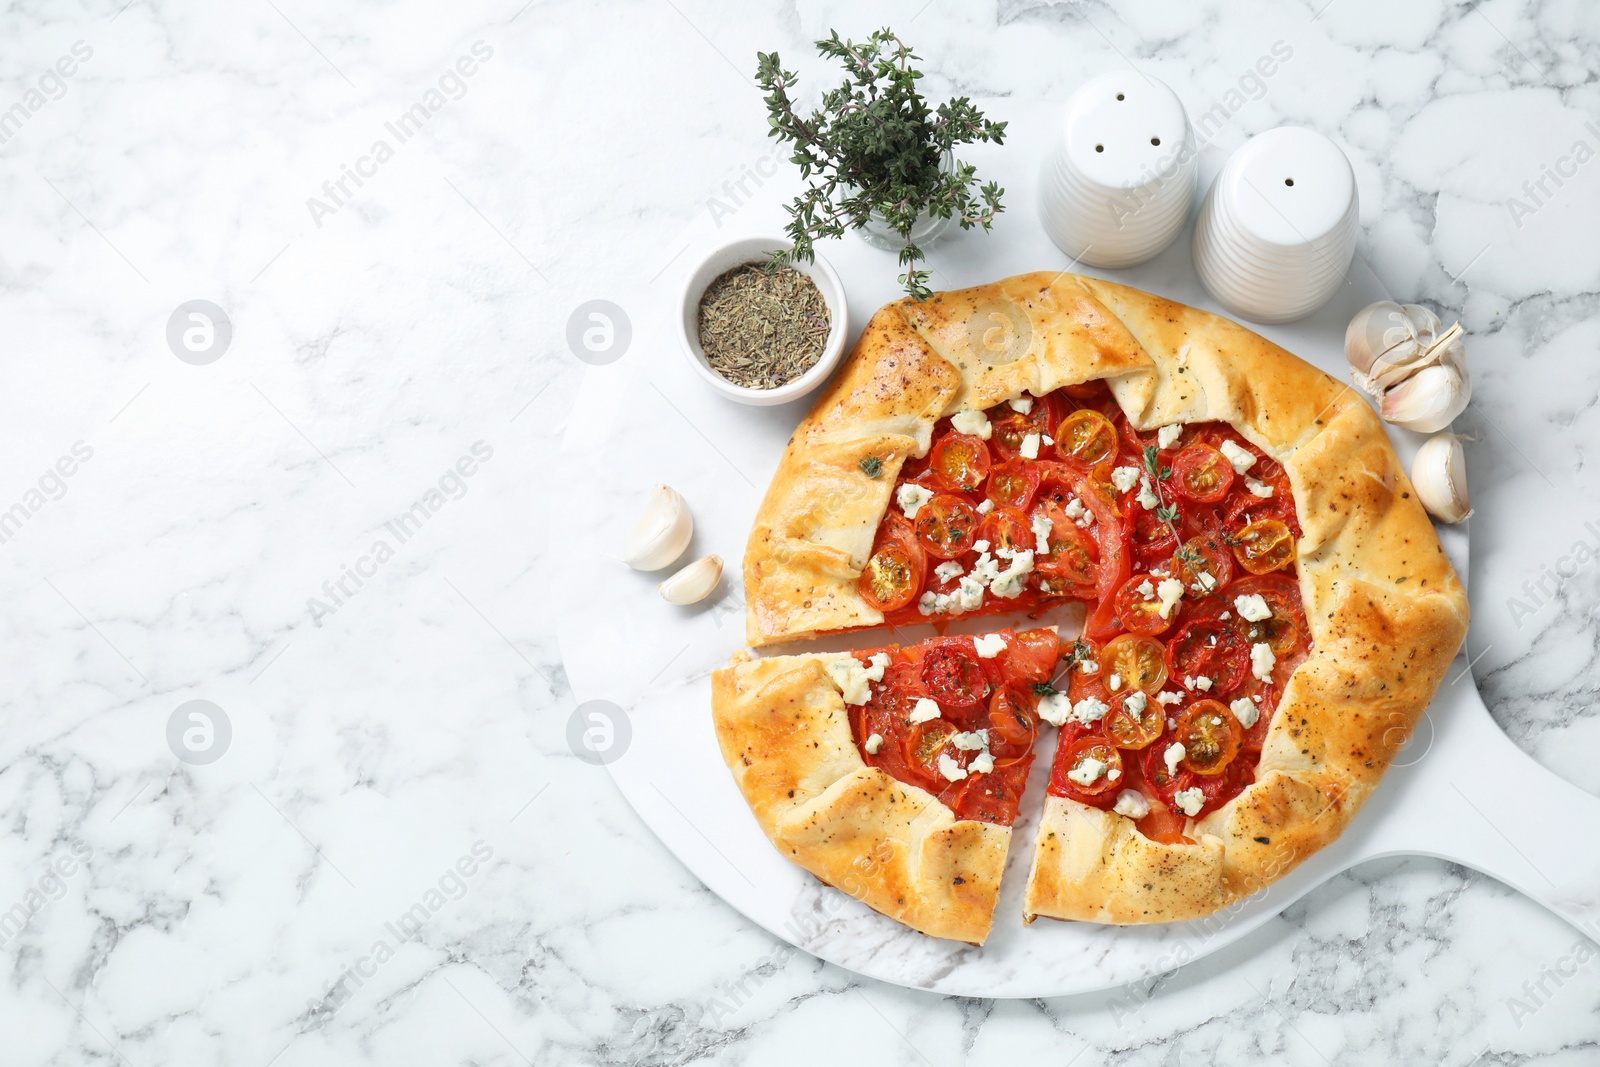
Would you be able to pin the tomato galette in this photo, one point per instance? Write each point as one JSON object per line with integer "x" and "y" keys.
{"x": 1265, "y": 610}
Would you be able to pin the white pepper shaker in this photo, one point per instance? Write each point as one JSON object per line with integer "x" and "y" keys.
{"x": 1278, "y": 227}
{"x": 1117, "y": 185}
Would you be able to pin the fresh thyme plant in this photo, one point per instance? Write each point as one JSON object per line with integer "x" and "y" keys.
{"x": 875, "y": 145}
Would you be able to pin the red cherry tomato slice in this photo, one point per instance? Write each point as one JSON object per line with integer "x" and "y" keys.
{"x": 1202, "y": 474}
{"x": 923, "y": 743}
{"x": 1101, "y": 790}
{"x": 1210, "y": 735}
{"x": 962, "y": 460}
{"x": 1013, "y": 483}
{"x": 1204, "y": 564}
{"x": 1012, "y": 721}
{"x": 1031, "y": 656}
{"x": 951, "y": 673}
{"x": 1210, "y": 648}
{"x": 946, "y": 525}
{"x": 1138, "y": 606}
{"x": 1265, "y": 546}
{"x": 1008, "y": 529}
{"x": 1284, "y": 631}
{"x": 896, "y": 570}
{"x": 1088, "y": 437}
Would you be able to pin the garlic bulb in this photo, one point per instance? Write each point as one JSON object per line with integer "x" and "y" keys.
{"x": 1386, "y": 343}
{"x": 694, "y": 583}
{"x": 662, "y": 532}
{"x": 1440, "y": 475}
{"x": 1427, "y": 400}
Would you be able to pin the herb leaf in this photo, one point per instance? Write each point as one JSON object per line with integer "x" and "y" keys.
{"x": 872, "y": 466}
{"x": 1043, "y": 689}
{"x": 876, "y": 147}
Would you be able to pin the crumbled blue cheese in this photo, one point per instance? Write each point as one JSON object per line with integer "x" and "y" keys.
{"x": 1055, "y": 708}
{"x": 852, "y": 678}
{"x": 952, "y": 771}
{"x": 1260, "y": 489}
{"x": 1131, "y": 803}
{"x": 982, "y": 763}
{"x": 924, "y": 710}
{"x": 1173, "y": 756}
{"x": 1168, "y": 436}
{"x": 976, "y": 741}
{"x": 1041, "y": 532}
{"x": 1189, "y": 801}
{"x": 1089, "y": 709}
{"x": 989, "y": 645}
{"x": 1009, "y": 582}
{"x": 986, "y": 507}
{"x": 1113, "y": 774}
{"x": 1147, "y": 496}
{"x": 1023, "y": 404}
{"x": 1262, "y": 660}
{"x": 980, "y": 546}
{"x": 1114, "y": 682}
{"x": 1252, "y": 607}
{"x": 974, "y": 422}
{"x": 874, "y": 743}
{"x": 911, "y": 497}
{"x": 968, "y": 595}
{"x": 1135, "y": 703}
{"x": 1204, "y": 582}
{"x": 933, "y": 603}
{"x": 1088, "y": 666}
{"x": 949, "y": 569}
{"x": 1125, "y": 478}
{"x": 1088, "y": 771}
{"x": 1170, "y": 591}
{"x": 1238, "y": 455}
{"x": 1203, "y": 684}
{"x": 1029, "y": 446}
{"x": 1170, "y": 697}
{"x": 1244, "y": 709}
{"x": 1145, "y": 589}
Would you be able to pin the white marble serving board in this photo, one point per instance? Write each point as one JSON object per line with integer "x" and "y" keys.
{"x": 647, "y": 420}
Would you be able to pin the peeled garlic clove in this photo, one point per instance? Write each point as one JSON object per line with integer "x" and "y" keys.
{"x": 1439, "y": 474}
{"x": 662, "y": 532}
{"x": 694, "y": 583}
{"x": 1385, "y": 338}
{"x": 1427, "y": 400}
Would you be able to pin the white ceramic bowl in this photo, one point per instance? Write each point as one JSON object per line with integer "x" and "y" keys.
{"x": 754, "y": 250}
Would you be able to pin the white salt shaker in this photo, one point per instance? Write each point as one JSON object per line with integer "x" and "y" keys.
{"x": 1278, "y": 227}
{"x": 1117, "y": 185}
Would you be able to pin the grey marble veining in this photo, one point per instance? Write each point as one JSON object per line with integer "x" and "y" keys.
{"x": 397, "y": 859}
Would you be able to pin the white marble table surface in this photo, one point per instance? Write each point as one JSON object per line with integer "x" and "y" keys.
{"x": 395, "y": 858}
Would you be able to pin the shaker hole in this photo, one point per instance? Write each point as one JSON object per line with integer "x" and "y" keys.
{"x": 1288, "y": 181}
{"x": 1155, "y": 140}
{"x": 1120, "y": 96}
{"x": 1099, "y": 148}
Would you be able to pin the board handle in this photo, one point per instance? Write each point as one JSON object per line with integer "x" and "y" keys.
{"x": 1537, "y": 836}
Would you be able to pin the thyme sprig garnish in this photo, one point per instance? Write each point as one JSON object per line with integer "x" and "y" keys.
{"x": 875, "y": 145}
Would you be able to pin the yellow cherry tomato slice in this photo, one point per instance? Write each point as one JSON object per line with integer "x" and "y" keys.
{"x": 1263, "y": 547}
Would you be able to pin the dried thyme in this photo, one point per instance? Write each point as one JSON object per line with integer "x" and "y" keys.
{"x": 762, "y": 327}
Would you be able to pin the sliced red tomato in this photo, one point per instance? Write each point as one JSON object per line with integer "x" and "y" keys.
{"x": 1210, "y": 736}
{"x": 962, "y": 460}
{"x": 1012, "y": 721}
{"x": 1204, "y": 564}
{"x": 1061, "y": 482}
{"x": 1210, "y": 648}
{"x": 1284, "y": 631}
{"x": 1138, "y": 607}
{"x": 897, "y": 569}
{"x": 1264, "y": 546}
{"x": 946, "y": 525}
{"x": 1164, "y": 824}
{"x": 1100, "y": 791}
{"x": 991, "y": 797}
{"x": 1070, "y": 566}
{"x": 1008, "y": 529}
{"x": 951, "y": 672}
{"x": 923, "y": 743}
{"x": 1087, "y": 437}
{"x": 1031, "y": 656}
{"x": 1202, "y": 474}
{"x": 1126, "y": 727}
{"x": 1013, "y": 483}
{"x": 1136, "y": 662}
